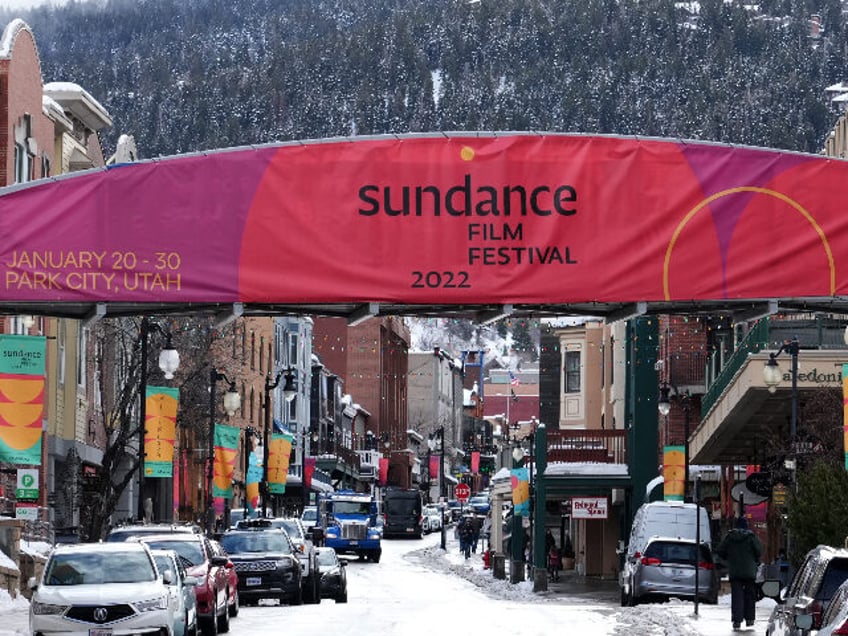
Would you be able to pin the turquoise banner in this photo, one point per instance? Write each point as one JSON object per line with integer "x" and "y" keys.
{"x": 22, "y": 365}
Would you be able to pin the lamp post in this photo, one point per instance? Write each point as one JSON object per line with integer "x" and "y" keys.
{"x": 772, "y": 376}
{"x": 664, "y": 407}
{"x": 232, "y": 403}
{"x": 169, "y": 362}
{"x": 288, "y": 392}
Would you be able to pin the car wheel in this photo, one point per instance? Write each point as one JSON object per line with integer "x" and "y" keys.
{"x": 317, "y": 590}
{"x": 375, "y": 556}
{"x": 625, "y": 602}
{"x": 224, "y": 620}
{"x": 342, "y": 598}
{"x": 298, "y": 597}
{"x": 235, "y": 605}
{"x": 209, "y": 626}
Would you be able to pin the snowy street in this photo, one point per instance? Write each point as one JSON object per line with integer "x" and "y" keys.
{"x": 419, "y": 589}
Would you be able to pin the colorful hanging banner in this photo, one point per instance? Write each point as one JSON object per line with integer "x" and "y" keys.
{"x": 308, "y": 472}
{"x": 22, "y": 365}
{"x": 520, "y": 480}
{"x": 475, "y": 462}
{"x": 226, "y": 448}
{"x": 845, "y": 412}
{"x": 674, "y": 473}
{"x": 279, "y": 454}
{"x": 255, "y": 470}
{"x": 160, "y": 430}
{"x": 434, "y": 467}
{"x": 384, "y": 471}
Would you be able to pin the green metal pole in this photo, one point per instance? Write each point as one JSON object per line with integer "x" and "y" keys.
{"x": 540, "y": 570}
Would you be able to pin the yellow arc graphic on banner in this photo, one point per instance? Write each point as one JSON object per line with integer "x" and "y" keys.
{"x": 778, "y": 195}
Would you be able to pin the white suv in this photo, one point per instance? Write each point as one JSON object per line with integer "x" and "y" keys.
{"x": 100, "y": 588}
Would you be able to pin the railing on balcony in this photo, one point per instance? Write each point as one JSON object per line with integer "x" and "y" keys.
{"x": 587, "y": 445}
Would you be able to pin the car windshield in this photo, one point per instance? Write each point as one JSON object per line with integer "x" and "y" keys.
{"x": 431, "y": 510}
{"x": 310, "y": 515}
{"x": 292, "y": 528}
{"x": 351, "y": 507}
{"x": 326, "y": 557}
{"x": 81, "y": 568}
{"x": 255, "y": 542}
{"x": 836, "y": 574}
{"x": 190, "y": 551}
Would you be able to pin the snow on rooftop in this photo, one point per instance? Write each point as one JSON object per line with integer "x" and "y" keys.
{"x": 9, "y": 34}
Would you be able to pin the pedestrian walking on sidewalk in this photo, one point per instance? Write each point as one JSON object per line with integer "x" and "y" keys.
{"x": 741, "y": 549}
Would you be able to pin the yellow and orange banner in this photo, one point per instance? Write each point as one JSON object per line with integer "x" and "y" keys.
{"x": 279, "y": 453}
{"x": 674, "y": 473}
{"x": 21, "y": 398}
{"x": 226, "y": 447}
{"x": 160, "y": 430}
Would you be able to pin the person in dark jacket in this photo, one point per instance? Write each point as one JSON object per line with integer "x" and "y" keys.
{"x": 741, "y": 549}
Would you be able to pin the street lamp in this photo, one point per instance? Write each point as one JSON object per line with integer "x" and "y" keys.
{"x": 288, "y": 393}
{"x": 169, "y": 362}
{"x": 664, "y": 407}
{"x": 232, "y": 403}
{"x": 772, "y": 375}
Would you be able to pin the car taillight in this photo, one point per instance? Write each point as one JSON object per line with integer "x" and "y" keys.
{"x": 651, "y": 561}
{"x": 706, "y": 565}
{"x": 816, "y": 611}
{"x": 842, "y": 630}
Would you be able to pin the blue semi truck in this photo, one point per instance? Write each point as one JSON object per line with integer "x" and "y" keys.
{"x": 351, "y": 524}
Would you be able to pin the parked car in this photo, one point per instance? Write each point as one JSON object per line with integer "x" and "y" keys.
{"x": 267, "y": 564}
{"x": 666, "y": 519}
{"x": 808, "y": 596}
{"x": 181, "y": 588}
{"x": 432, "y": 518}
{"x": 333, "y": 575}
{"x": 455, "y": 508}
{"x": 309, "y": 517}
{"x": 480, "y": 504}
{"x": 667, "y": 569}
{"x": 304, "y": 550}
{"x": 232, "y": 579}
{"x": 132, "y": 531}
{"x": 100, "y": 588}
{"x": 835, "y": 618}
{"x": 200, "y": 559}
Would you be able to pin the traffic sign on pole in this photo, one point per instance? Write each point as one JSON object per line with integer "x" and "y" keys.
{"x": 463, "y": 492}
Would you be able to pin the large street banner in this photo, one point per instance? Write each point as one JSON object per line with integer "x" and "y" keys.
{"x": 520, "y": 481}
{"x": 463, "y": 218}
{"x": 21, "y": 398}
{"x": 279, "y": 454}
{"x": 160, "y": 430}
{"x": 255, "y": 470}
{"x": 226, "y": 448}
{"x": 674, "y": 473}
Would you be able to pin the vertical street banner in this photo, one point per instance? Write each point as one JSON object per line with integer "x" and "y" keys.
{"x": 255, "y": 470}
{"x": 308, "y": 472}
{"x": 434, "y": 467}
{"x": 22, "y": 368}
{"x": 845, "y": 412}
{"x": 475, "y": 462}
{"x": 226, "y": 447}
{"x": 279, "y": 455}
{"x": 383, "y": 467}
{"x": 674, "y": 473}
{"x": 160, "y": 430}
{"x": 520, "y": 481}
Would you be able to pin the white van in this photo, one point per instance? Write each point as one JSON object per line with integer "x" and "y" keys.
{"x": 666, "y": 519}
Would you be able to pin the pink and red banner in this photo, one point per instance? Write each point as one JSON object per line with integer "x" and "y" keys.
{"x": 463, "y": 219}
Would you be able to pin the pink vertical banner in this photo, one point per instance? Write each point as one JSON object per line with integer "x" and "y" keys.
{"x": 384, "y": 470}
{"x": 475, "y": 462}
{"x": 434, "y": 467}
{"x": 177, "y": 471}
